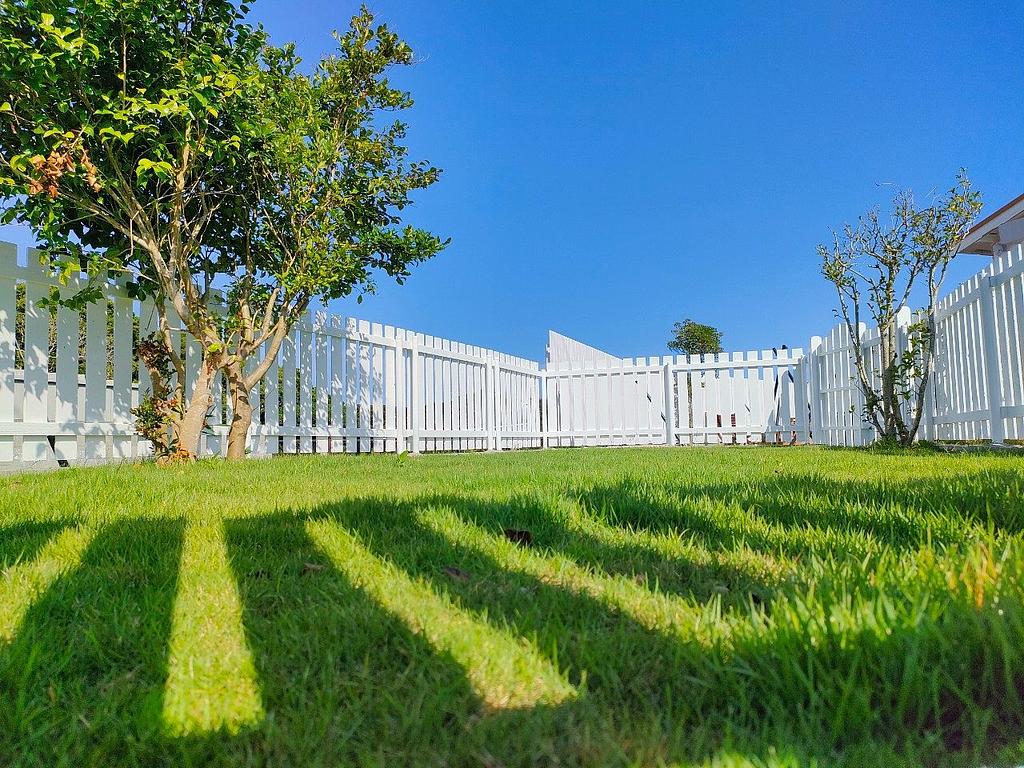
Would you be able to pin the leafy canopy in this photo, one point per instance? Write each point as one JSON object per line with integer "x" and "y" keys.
{"x": 692, "y": 338}
{"x": 118, "y": 130}
{"x": 328, "y": 179}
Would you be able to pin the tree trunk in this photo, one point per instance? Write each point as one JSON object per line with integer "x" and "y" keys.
{"x": 241, "y": 418}
{"x": 194, "y": 420}
{"x": 927, "y": 364}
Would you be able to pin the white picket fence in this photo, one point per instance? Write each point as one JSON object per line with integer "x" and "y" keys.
{"x": 977, "y": 393}
{"x": 68, "y": 384}
{"x": 353, "y": 386}
{"x": 337, "y": 385}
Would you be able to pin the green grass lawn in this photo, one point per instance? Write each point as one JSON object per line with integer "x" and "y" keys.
{"x": 682, "y": 607}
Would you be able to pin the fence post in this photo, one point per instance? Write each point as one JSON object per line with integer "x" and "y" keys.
{"x": 400, "y": 397}
{"x": 415, "y": 405}
{"x": 814, "y": 428}
{"x": 800, "y": 401}
{"x": 992, "y": 384}
{"x": 545, "y": 440}
{"x": 670, "y": 411}
{"x": 495, "y": 405}
{"x": 489, "y": 398}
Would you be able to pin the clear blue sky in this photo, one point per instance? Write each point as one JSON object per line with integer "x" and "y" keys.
{"x": 610, "y": 167}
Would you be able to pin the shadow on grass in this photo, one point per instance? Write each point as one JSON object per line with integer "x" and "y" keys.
{"x": 344, "y": 682}
{"x": 550, "y": 531}
{"x": 650, "y": 697}
{"x": 82, "y": 682}
{"x": 23, "y": 541}
{"x": 782, "y": 512}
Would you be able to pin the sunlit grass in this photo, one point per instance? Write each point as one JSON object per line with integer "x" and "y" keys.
{"x": 211, "y": 680}
{"x": 22, "y": 583}
{"x": 718, "y": 607}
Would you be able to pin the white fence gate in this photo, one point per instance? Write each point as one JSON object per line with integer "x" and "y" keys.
{"x": 69, "y": 381}
{"x": 713, "y": 399}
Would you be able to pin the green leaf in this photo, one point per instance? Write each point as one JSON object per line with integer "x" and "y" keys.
{"x": 160, "y": 168}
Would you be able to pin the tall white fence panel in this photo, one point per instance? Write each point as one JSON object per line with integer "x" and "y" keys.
{"x": 979, "y": 386}
{"x": 345, "y": 385}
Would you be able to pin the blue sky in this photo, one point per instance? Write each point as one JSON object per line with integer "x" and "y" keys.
{"x": 611, "y": 167}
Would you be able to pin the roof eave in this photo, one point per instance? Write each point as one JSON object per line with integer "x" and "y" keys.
{"x": 985, "y": 234}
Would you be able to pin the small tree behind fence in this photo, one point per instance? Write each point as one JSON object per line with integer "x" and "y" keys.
{"x": 877, "y": 266}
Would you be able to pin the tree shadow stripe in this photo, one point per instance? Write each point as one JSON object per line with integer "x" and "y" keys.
{"x": 663, "y": 562}
{"x": 655, "y": 611}
{"x": 343, "y": 681}
{"x": 88, "y": 666}
{"x": 505, "y": 672}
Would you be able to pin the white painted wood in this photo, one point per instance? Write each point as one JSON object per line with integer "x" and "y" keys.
{"x": 400, "y": 410}
{"x": 121, "y": 391}
{"x": 66, "y": 406}
{"x": 305, "y": 343}
{"x": 669, "y": 402}
{"x": 272, "y": 405}
{"x": 321, "y": 341}
{"x": 491, "y": 407}
{"x": 351, "y": 386}
{"x": 289, "y": 354}
{"x": 8, "y": 341}
{"x": 814, "y": 375}
{"x": 366, "y": 387}
{"x": 36, "y": 355}
{"x": 95, "y": 375}
{"x": 993, "y": 389}
{"x": 338, "y": 390}
{"x": 416, "y": 394}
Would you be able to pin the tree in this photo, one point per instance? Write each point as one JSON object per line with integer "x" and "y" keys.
{"x": 120, "y": 135}
{"x": 875, "y": 266}
{"x": 692, "y": 338}
{"x": 324, "y": 191}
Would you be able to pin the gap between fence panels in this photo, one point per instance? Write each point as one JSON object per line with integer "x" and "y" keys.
{"x": 69, "y": 382}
